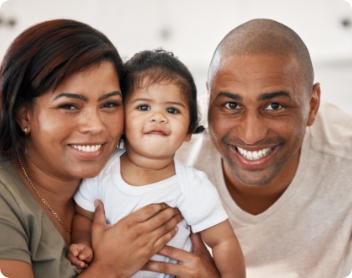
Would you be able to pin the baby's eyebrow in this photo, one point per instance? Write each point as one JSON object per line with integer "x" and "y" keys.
{"x": 176, "y": 103}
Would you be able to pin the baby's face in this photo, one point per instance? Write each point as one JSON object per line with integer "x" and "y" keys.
{"x": 156, "y": 120}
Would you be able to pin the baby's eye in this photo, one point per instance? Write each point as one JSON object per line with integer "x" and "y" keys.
{"x": 143, "y": 107}
{"x": 231, "y": 105}
{"x": 274, "y": 106}
{"x": 172, "y": 110}
{"x": 68, "y": 106}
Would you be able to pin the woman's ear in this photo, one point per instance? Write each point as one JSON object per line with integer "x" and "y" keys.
{"x": 23, "y": 118}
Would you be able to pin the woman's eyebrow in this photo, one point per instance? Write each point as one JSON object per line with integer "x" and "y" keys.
{"x": 82, "y": 97}
{"x": 70, "y": 95}
{"x": 116, "y": 93}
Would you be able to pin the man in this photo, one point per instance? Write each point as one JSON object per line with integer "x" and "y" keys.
{"x": 283, "y": 169}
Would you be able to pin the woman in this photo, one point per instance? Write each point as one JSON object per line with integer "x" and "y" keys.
{"x": 61, "y": 118}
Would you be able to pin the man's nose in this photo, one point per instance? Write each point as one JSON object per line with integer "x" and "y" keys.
{"x": 252, "y": 128}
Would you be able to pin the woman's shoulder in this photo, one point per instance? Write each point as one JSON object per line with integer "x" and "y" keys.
{"x": 27, "y": 234}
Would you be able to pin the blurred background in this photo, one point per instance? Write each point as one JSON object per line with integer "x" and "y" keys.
{"x": 193, "y": 28}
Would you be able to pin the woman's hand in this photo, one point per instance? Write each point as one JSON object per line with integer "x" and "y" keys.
{"x": 122, "y": 249}
{"x": 197, "y": 264}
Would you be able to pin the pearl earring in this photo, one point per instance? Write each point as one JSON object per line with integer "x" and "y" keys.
{"x": 25, "y": 131}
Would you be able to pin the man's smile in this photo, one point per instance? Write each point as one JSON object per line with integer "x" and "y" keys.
{"x": 254, "y": 155}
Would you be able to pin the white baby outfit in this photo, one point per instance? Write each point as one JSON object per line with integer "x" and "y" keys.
{"x": 189, "y": 190}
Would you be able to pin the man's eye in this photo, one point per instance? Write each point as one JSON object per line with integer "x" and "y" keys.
{"x": 274, "y": 106}
{"x": 231, "y": 105}
{"x": 110, "y": 104}
{"x": 68, "y": 106}
{"x": 172, "y": 110}
{"x": 143, "y": 107}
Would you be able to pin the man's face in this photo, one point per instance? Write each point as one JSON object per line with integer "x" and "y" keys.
{"x": 258, "y": 111}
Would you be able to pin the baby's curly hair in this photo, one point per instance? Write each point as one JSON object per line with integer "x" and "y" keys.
{"x": 160, "y": 65}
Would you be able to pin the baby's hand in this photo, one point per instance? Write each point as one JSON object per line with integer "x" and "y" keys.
{"x": 80, "y": 255}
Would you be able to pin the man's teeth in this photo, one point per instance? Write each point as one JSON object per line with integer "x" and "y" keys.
{"x": 254, "y": 155}
{"x": 87, "y": 148}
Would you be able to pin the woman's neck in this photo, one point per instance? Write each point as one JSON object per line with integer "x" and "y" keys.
{"x": 53, "y": 194}
{"x": 138, "y": 170}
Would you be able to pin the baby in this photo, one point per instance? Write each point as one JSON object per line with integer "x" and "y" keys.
{"x": 160, "y": 105}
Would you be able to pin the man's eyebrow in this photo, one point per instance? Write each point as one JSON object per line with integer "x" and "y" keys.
{"x": 230, "y": 95}
{"x": 81, "y": 97}
{"x": 267, "y": 96}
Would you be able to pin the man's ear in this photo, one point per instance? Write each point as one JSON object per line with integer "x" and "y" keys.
{"x": 314, "y": 104}
{"x": 188, "y": 137}
{"x": 23, "y": 118}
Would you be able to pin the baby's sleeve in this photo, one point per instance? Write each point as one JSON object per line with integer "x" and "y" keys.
{"x": 87, "y": 193}
{"x": 200, "y": 204}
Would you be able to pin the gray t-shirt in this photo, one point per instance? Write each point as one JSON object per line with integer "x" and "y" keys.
{"x": 26, "y": 232}
{"x": 307, "y": 232}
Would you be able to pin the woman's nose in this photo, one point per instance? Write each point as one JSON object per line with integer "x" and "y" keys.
{"x": 91, "y": 123}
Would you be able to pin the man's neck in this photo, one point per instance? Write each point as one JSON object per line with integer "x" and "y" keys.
{"x": 256, "y": 200}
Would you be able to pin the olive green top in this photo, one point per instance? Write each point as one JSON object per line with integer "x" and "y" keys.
{"x": 26, "y": 232}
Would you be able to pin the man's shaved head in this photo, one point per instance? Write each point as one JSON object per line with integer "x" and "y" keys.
{"x": 267, "y": 37}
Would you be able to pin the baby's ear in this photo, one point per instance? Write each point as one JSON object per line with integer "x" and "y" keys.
{"x": 188, "y": 137}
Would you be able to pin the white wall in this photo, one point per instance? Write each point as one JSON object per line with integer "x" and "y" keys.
{"x": 192, "y": 29}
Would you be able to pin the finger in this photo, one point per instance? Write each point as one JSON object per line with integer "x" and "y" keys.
{"x": 198, "y": 245}
{"x": 99, "y": 214}
{"x": 86, "y": 255}
{"x": 176, "y": 253}
{"x": 162, "y": 267}
{"x": 73, "y": 249}
{"x": 75, "y": 261}
{"x": 163, "y": 221}
{"x": 149, "y": 211}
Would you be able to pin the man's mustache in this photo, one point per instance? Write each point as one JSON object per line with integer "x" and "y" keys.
{"x": 230, "y": 140}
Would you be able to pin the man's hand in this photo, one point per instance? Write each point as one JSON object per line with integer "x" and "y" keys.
{"x": 198, "y": 264}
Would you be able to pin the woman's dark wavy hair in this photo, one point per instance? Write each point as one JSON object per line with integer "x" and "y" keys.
{"x": 38, "y": 60}
{"x": 160, "y": 65}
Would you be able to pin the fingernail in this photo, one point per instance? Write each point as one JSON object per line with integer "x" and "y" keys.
{"x": 176, "y": 229}
{"x": 96, "y": 203}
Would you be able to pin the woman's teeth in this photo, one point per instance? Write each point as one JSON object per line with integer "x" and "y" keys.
{"x": 254, "y": 155}
{"x": 87, "y": 148}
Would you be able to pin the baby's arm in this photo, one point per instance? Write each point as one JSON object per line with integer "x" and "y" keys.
{"x": 80, "y": 251}
{"x": 227, "y": 252}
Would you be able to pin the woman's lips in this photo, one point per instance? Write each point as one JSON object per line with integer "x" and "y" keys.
{"x": 87, "y": 151}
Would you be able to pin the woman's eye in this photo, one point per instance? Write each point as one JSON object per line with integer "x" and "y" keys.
{"x": 172, "y": 110}
{"x": 274, "y": 106}
{"x": 68, "y": 106}
{"x": 231, "y": 105}
{"x": 143, "y": 107}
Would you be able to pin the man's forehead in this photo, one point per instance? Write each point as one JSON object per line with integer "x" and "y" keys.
{"x": 230, "y": 67}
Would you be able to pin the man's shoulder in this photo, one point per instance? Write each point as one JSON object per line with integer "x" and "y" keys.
{"x": 332, "y": 131}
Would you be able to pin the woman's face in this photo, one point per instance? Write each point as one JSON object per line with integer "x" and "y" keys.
{"x": 74, "y": 129}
